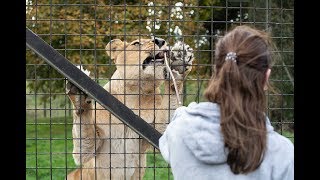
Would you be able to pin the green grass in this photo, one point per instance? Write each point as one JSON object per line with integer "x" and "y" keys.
{"x": 157, "y": 168}
{"x": 49, "y": 147}
{"x": 289, "y": 135}
{"x": 46, "y": 158}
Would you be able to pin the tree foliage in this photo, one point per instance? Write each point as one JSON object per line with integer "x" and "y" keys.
{"x": 80, "y": 29}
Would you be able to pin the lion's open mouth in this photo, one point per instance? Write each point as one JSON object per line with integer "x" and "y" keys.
{"x": 153, "y": 60}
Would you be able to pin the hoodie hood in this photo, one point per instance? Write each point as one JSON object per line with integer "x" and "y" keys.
{"x": 203, "y": 132}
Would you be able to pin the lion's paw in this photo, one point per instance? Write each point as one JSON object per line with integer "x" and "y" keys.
{"x": 71, "y": 89}
{"x": 79, "y": 99}
{"x": 181, "y": 57}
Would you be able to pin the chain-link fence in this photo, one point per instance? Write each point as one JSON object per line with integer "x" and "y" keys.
{"x": 80, "y": 31}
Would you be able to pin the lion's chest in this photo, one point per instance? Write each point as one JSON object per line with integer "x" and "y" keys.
{"x": 147, "y": 108}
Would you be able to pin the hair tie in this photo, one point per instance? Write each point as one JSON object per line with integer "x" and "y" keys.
{"x": 231, "y": 56}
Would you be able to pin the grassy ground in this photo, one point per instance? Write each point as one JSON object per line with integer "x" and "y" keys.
{"x": 49, "y": 143}
{"x": 49, "y": 148}
{"x": 49, "y": 157}
{"x": 45, "y": 157}
{"x": 289, "y": 135}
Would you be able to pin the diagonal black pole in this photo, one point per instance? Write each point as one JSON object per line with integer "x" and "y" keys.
{"x": 88, "y": 86}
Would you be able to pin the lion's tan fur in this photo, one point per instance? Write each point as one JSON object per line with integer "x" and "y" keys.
{"x": 109, "y": 149}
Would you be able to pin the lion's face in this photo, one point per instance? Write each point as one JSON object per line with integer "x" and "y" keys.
{"x": 139, "y": 59}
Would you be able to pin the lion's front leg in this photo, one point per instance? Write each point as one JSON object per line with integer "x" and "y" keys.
{"x": 85, "y": 133}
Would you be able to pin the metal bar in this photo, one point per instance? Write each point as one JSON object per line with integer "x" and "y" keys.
{"x": 87, "y": 85}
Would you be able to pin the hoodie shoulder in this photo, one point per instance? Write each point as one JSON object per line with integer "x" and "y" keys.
{"x": 280, "y": 147}
{"x": 192, "y": 112}
{"x": 198, "y": 126}
{"x": 178, "y": 112}
{"x": 202, "y": 132}
{"x": 279, "y": 156}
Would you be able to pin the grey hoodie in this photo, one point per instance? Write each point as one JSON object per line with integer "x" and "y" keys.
{"x": 193, "y": 145}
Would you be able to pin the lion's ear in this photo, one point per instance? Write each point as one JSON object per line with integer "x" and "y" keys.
{"x": 114, "y": 47}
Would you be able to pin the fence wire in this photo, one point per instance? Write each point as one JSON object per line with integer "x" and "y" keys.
{"x": 80, "y": 30}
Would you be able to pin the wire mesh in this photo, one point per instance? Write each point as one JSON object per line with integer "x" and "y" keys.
{"x": 80, "y": 30}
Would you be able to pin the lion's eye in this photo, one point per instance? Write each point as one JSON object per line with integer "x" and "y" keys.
{"x": 137, "y": 43}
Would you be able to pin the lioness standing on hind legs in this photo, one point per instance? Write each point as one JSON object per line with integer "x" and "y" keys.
{"x": 103, "y": 146}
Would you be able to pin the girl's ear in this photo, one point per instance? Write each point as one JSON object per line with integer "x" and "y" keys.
{"x": 267, "y": 79}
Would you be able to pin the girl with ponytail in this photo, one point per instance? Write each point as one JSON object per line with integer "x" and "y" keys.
{"x": 230, "y": 136}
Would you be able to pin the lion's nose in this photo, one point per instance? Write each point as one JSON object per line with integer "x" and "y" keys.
{"x": 158, "y": 41}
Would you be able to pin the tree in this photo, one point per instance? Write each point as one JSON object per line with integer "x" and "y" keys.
{"x": 79, "y": 30}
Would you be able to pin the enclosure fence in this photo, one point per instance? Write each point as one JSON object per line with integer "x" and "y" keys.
{"x": 80, "y": 30}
